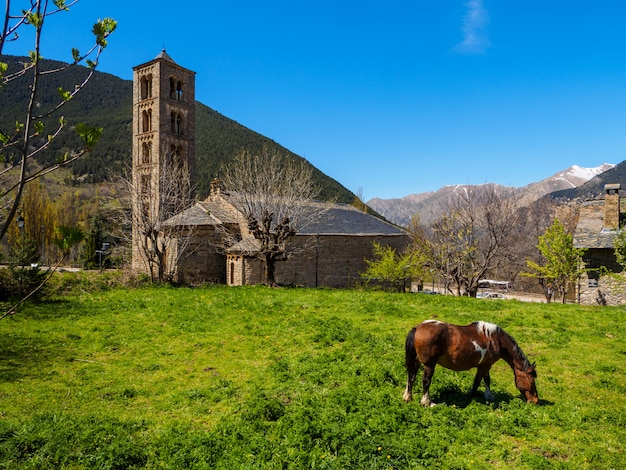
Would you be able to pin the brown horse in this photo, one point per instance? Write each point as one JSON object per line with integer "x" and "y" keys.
{"x": 479, "y": 344}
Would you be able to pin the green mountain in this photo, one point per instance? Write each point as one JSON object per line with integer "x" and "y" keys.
{"x": 106, "y": 101}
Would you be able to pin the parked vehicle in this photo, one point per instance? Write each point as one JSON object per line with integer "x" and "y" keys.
{"x": 490, "y": 295}
{"x": 426, "y": 291}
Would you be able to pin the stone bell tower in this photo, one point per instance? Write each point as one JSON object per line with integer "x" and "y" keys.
{"x": 164, "y": 121}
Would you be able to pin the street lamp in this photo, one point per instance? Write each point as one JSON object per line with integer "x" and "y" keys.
{"x": 105, "y": 248}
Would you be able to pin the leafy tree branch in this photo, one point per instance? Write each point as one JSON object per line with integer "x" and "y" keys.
{"x": 20, "y": 144}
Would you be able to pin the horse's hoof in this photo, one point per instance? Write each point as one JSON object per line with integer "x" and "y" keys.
{"x": 407, "y": 397}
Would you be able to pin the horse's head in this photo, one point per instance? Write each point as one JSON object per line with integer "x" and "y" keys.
{"x": 525, "y": 383}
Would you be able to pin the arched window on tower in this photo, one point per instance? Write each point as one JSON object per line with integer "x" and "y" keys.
{"x": 146, "y": 120}
{"x": 179, "y": 91}
{"x": 176, "y": 122}
{"x": 145, "y": 186}
{"x": 172, "y": 88}
{"x": 146, "y": 152}
{"x": 146, "y": 87}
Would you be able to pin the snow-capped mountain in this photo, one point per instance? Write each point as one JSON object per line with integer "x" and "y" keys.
{"x": 400, "y": 211}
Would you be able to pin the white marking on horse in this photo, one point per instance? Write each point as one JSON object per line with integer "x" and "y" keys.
{"x": 432, "y": 321}
{"x": 485, "y": 328}
{"x": 482, "y": 351}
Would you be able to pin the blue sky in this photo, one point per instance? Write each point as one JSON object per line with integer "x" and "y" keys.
{"x": 398, "y": 97}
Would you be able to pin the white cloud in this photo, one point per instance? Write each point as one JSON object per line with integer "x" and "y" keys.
{"x": 475, "y": 22}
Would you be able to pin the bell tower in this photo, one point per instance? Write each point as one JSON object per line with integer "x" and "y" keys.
{"x": 164, "y": 120}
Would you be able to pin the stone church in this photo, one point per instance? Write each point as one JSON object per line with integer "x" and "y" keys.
{"x": 330, "y": 252}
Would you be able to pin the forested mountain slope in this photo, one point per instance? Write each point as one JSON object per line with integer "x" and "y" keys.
{"x": 107, "y": 102}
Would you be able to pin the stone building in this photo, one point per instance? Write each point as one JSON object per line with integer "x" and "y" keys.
{"x": 330, "y": 252}
{"x": 598, "y": 224}
{"x": 214, "y": 244}
{"x": 164, "y": 110}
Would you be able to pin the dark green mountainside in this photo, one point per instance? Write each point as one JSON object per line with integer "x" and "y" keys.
{"x": 106, "y": 101}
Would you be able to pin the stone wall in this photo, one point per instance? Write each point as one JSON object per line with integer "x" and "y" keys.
{"x": 202, "y": 262}
{"x": 331, "y": 260}
{"x": 318, "y": 261}
{"x": 242, "y": 270}
{"x": 598, "y": 288}
{"x": 603, "y": 290}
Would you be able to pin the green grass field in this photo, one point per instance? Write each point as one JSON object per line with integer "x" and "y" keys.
{"x": 228, "y": 378}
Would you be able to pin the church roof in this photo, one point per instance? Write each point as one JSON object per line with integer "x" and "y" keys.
{"x": 165, "y": 56}
{"x": 212, "y": 211}
{"x": 345, "y": 219}
{"x": 246, "y": 246}
{"x": 195, "y": 215}
{"x": 335, "y": 219}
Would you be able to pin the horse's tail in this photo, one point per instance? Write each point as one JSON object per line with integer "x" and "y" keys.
{"x": 410, "y": 361}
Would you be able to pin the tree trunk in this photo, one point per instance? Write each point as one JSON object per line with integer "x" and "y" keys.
{"x": 270, "y": 268}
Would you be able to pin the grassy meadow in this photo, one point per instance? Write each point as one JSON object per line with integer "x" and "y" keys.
{"x": 229, "y": 378}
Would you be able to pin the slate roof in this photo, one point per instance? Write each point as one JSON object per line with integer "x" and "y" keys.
{"x": 204, "y": 213}
{"x": 344, "y": 219}
{"x": 247, "y": 245}
{"x": 338, "y": 219}
{"x": 195, "y": 215}
{"x": 165, "y": 56}
{"x": 589, "y": 231}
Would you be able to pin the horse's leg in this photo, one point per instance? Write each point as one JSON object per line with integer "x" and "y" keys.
{"x": 477, "y": 379}
{"x": 488, "y": 395}
{"x": 482, "y": 374}
{"x": 411, "y": 374}
{"x": 429, "y": 370}
{"x": 412, "y": 364}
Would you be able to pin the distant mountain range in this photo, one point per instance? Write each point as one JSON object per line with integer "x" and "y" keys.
{"x": 574, "y": 182}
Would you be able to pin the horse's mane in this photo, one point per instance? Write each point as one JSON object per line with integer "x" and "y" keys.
{"x": 490, "y": 329}
{"x": 487, "y": 329}
{"x": 516, "y": 351}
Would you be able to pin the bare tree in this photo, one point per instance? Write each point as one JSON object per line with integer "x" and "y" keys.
{"x": 162, "y": 232}
{"x": 29, "y": 137}
{"x": 472, "y": 238}
{"x": 276, "y": 195}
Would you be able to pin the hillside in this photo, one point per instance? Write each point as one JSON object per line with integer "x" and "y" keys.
{"x": 426, "y": 205}
{"x": 107, "y": 102}
{"x": 595, "y": 186}
{"x": 569, "y": 179}
{"x": 566, "y": 183}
